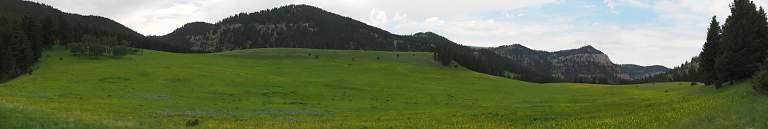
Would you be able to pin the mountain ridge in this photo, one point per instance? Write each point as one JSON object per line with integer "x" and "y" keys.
{"x": 291, "y": 26}
{"x": 583, "y": 64}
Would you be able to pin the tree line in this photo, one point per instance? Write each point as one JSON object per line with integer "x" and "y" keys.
{"x": 688, "y": 71}
{"x": 480, "y": 60}
{"x": 21, "y": 44}
{"x": 733, "y": 52}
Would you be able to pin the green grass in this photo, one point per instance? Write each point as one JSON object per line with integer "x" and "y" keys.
{"x": 287, "y": 88}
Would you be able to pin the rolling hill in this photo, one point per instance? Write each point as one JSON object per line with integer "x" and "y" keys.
{"x": 309, "y": 88}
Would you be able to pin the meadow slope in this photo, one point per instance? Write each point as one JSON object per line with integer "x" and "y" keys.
{"x": 307, "y": 88}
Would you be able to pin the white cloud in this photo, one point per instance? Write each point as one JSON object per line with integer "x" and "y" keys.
{"x": 609, "y": 3}
{"x": 434, "y": 21}
{"x": 399, "y": 17}
{"x": 143, "y": 15}
{"x": 378, "y": 18}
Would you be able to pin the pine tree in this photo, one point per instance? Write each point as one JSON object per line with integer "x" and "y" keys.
{"x": 33, "y": 34}
{"x": 744, "y": 41}
{"x": 5, "y": 28}
{"x": 21, "y": 50}
{"x": 6, "y": 60}
{"x": 48, "y": 31}
{"x": 64, "y": 30}
{"x": 710, "y": 51}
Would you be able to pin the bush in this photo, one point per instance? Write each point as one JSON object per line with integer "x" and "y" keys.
{"x": 119, "y": 51}
{"x": 760, "y": 81}
{"x": 192, "y": 123}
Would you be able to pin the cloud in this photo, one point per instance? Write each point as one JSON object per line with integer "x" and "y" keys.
{"x": 158, "y": 17}
{"x": 609, "y": 3}
{"x": 377, "y": 18}
{"x": 434, "y": 21}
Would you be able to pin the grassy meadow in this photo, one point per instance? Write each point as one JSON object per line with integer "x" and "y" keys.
{"x": 308, "y": 88}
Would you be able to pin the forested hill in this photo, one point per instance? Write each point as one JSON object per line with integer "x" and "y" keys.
{"x": 28, "y": 28}
{"x": 292, "y": 26}
{"x": 70, "y": 27}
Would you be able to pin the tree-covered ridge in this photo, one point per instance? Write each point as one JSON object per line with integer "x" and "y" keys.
{"x": 292, "y": 26}
{"x": 28, "y": 28}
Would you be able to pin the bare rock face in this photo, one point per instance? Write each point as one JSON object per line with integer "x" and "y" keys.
{"x": 585, "y": 64}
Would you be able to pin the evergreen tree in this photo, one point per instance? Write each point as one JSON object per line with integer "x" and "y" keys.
{"x": 64, "y": 30}
{"x": 710, "y": 52}
{"x": 8, "y": 62}
{"x": 760, "y": 80}
{"x": 33, "y": 34}
{"x": 5, "y": 28}
{"x": 21, "y": 50}
{"x": 48, "y": 31}
{"x": 744, "y": 41}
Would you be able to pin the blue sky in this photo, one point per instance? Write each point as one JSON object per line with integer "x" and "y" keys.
{"x": 645, "y": 32}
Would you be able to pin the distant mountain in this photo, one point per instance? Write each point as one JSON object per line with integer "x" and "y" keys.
{"x": 640, "y": 72}
{"x": 585, "y": 64}
{"x": 292, "y": 26}
{"x": 304, "y": 26}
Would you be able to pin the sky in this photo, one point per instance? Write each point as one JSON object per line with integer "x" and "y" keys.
{"x": 644, "y": 32}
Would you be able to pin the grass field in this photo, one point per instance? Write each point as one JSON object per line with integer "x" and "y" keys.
{"x": 305, "y": 88}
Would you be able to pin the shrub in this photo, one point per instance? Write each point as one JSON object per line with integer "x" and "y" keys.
{"x": 191, "y": 123}
{"x": 760, "y": 81}
{"x": 119, "y": 51}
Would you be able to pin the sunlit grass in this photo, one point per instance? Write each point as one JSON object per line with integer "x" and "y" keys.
{"x": 306, "y": 88}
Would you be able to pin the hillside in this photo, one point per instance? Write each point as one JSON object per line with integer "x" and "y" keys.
{"x": 292, "y": 26}
{"x": 28, "y": 28}
{"x": 585, "y": 64}
{"x": 70, "y": 27}
{"x": 638, "y": 72}
{"x": 308, "y": 88}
